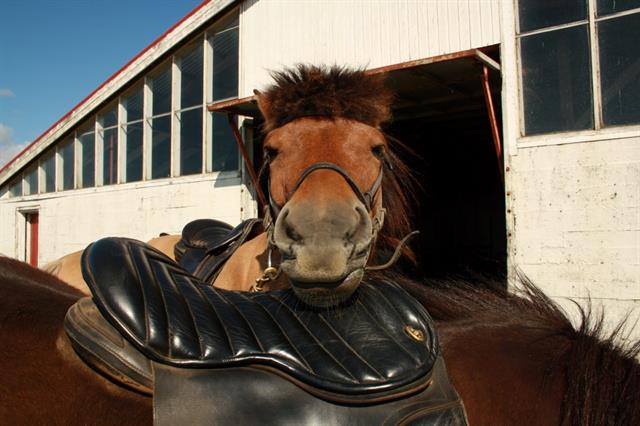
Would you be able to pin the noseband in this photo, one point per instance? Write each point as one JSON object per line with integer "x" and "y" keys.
{"x": 366, "y": 198}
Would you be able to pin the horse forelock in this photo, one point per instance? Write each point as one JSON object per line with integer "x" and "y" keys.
{"x": 326, "y": 91}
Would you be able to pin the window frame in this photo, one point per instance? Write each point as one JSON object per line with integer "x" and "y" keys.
{"x": 592, "y": 20}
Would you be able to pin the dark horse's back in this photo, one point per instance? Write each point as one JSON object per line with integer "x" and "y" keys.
{"x": 41, "y": 379}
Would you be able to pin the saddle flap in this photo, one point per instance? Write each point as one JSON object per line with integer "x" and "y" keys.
{"x": 378, "y": 345}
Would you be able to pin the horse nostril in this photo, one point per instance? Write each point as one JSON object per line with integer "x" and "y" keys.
{"x": 291, "y": 233}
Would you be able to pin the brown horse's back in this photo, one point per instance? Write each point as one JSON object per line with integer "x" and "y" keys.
{"x": 516, "y": 358}
{"x": 41, "y": 379}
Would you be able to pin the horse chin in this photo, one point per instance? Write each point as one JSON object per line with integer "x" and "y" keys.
{"x": 327, "y": 294}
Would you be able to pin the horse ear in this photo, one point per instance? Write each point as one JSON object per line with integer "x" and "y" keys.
{"x": 264, "y": 104}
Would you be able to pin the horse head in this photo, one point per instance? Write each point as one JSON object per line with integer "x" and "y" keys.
{"x": 327, "y": 159}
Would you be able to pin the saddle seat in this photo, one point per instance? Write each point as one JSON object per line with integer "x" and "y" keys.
{"x": 213, "y": 356}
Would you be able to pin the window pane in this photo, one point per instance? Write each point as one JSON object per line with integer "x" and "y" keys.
{"x": 161, "y": 89}
{"x": 191, "y": 142}
{"x": 109, "y": 118}
{"x": 133, "y": 105}
{"x": 31, "y": 180}
{"x": 110, "y": 156}
{"x": 191, "y": 78}
{"x": 87, "y": 144}
{"x": 67, "y": 157}
{"x": 134, "y": 151}
{"x": 16, "y": 189}
{"x": 612, "y": 6}
{"x": 225, "y": 64}
{"x": 49, "y": 169}
{"x": 160, "y": 147}
{"x": 620, "y": 69}
{"x": 225, "y": 150}
{"x": 556, "y": 81}
{"x": 535, "y": 14}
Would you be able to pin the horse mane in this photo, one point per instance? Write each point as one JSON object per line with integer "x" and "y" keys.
{"x": 602, "y": 375}
{"x": 311, "y": 90}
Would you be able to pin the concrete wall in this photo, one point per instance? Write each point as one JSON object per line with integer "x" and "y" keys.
{"x": 575, "y": 214}
{"x": 277, "y": 33}
{"x": 72, "y": 219}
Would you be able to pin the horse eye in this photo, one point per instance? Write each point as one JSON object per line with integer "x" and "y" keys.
{"x": 378, "y": 151}
{"x": 270, "y": 153}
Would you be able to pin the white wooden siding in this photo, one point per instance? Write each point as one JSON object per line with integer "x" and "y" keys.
{"x": 277, "y": 33}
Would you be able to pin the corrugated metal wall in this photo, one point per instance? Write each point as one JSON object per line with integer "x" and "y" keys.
{"x": 276, "y": 33}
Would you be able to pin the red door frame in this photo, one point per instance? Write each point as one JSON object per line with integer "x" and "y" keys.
{"x": 33, "y": 220}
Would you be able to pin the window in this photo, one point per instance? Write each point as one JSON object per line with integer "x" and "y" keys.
{"x": 87, "y": 142}
{"x": 31, "y": 181}
{"x": 620, "y": 68}
{"x": 224, "y": 155}
{"x": 160, "y": 121}
{"x": 15, "y": 190}
{"x": 67, "y": 159}
{"x": 225, "y": 60}
{"x": 560, "y": 67}
{"x": 191, "y": 108}
{"x": 109, "y": 121}
{"x": 48, "y": 164}
{"x": 133, "y": 135}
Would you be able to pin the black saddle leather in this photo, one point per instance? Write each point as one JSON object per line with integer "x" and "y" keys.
{"x": 360, "y": 349}
{"x": 199, "y": 234}
{"x": 206, "y": 244}
{"x": 210, "y": 356}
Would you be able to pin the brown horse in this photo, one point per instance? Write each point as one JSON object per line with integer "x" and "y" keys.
{"x": 513, "y": 358}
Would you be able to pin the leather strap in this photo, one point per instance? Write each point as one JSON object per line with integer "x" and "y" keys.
{"x": 365, "y": 198}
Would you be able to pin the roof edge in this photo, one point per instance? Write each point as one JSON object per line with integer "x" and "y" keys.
{"x": 6, "y": 172}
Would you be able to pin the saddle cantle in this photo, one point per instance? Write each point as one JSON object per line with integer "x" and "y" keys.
{"x": 202, "y": 351}
{"x": 206, "y": 244}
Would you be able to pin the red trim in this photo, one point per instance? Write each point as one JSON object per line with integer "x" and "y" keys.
{"x": 114, "y": 75}
{"x": 33, "y": 238}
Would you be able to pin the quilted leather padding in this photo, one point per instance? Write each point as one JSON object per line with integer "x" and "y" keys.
{"x": 360, "y": 347}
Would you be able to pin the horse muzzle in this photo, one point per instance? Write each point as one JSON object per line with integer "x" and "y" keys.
{"x": 323, "y": 250}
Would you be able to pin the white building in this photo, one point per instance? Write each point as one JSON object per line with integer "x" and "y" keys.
{"x": 151, "y": 148}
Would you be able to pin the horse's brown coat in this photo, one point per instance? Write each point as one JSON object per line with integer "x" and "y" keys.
{"x": 42, "y": 381}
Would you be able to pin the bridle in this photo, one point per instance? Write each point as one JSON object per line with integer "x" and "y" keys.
{"x": 366, "y": 198}
{"x": 273, "y": 209}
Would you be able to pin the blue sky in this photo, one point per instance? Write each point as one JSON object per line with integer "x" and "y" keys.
{"x": 53, "y": 53}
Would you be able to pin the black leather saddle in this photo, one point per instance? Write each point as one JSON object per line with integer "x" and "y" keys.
{"x": 211, "y": 356}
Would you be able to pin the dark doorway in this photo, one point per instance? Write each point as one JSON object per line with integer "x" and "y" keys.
{"x": 440, "y": 113}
